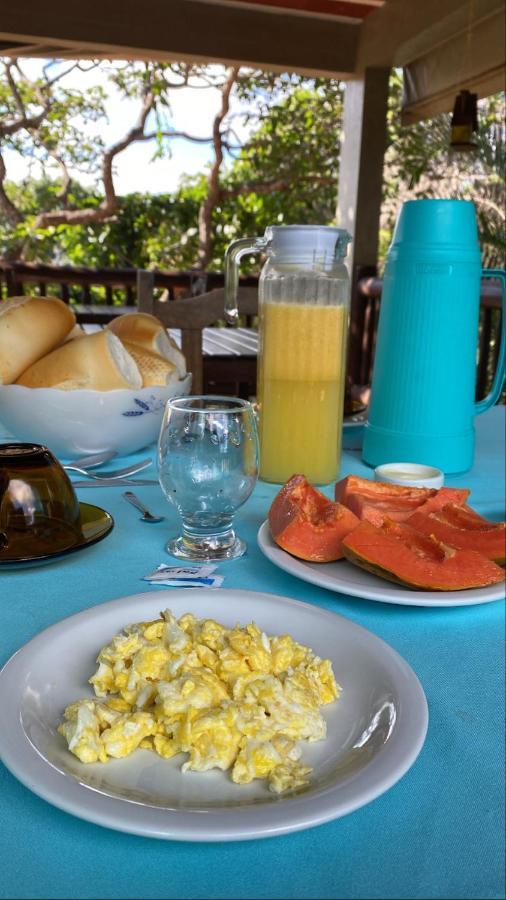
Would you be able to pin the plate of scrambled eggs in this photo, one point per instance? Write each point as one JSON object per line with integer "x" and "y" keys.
{"x": 209, "y": 715}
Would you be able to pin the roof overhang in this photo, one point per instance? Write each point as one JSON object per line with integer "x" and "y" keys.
{"x": 471, "y": 59}
{"x": 443, "y": 45}
{"x": 271, "y": 38}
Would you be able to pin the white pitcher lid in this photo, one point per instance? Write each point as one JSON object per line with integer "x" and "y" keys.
{"x": 322, "y": 243}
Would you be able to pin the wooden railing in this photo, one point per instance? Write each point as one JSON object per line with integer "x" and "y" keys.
{"x": 105, "y": 287}
{"x": 193, "y": 300}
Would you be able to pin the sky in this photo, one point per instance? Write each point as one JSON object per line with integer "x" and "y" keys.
{"x": 193, "y": 111}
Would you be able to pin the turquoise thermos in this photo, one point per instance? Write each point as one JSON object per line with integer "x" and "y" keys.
{"x": 422, "y": 404}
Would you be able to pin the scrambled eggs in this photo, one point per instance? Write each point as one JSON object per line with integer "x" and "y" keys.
{"x": 230, "y": 698}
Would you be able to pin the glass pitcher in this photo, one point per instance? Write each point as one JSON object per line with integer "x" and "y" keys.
{"x": 303, "y": 297}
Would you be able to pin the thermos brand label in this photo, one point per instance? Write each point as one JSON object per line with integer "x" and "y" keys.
{"x": 432, "y": 268}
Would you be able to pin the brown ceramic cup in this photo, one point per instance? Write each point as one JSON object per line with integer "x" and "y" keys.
{"x": 39, "y": 511}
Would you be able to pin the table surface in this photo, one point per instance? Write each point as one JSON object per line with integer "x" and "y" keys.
{"x": 439, "y": 832}
{"x": 228, "y": 341}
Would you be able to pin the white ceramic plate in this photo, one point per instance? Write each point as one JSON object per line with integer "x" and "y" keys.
{"x": 375, "y": 731}
{"x": 345, "y": 578}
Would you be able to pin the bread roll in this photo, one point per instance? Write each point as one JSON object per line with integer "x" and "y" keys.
{"x": 97, "y": 362}
{"x": 29, "y": 328}
{"x": 154, "y": 369}
{"x": 148, "y": 332}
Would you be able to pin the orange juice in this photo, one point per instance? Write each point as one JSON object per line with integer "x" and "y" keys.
{"x": 301, "y": 370}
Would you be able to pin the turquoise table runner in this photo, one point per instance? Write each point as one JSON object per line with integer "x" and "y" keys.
{"x": 439, "y": 832}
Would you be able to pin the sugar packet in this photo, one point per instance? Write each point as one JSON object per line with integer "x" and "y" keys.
{"x": 185, "y": 576}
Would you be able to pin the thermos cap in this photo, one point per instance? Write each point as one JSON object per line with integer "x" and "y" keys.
{"x": 437, "y": 223}
{"x": 409, "y": 474}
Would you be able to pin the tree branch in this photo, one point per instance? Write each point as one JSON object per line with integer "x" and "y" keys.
{"x": 280, "y": 184}
{"x": 66, "y": 178}
{"x": 109, "y": 204}
{"x": 176, "y": 134}
{"x": 50, "y": 81}
{"x": 14, "y": 89}
{"x": 31, "y": 123}
{"x": 213, "y": 180}
{"x": 11, "y": 212}
{"x": 135, "y": 134}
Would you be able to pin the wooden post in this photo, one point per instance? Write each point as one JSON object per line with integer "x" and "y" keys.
{"x": 191, "y": 345}
{"x": 192, "y": 315}
{"x": 360, "y": 186}
{"x": 11, "y": 282}
{"x": 145, "y": 286}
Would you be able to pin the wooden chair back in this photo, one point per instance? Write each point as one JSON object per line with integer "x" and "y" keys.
{"x": 192, "y": 315}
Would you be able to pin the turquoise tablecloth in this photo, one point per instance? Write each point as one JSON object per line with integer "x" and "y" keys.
{"x": 439, "y": 832}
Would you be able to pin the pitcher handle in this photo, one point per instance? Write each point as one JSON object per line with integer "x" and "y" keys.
{"x": 235, "y": 251}
{"x": 500, "y": 372}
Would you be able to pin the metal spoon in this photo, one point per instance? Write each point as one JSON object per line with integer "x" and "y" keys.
{"x": 146, "y": 515}
{"x": 115, "y": 473}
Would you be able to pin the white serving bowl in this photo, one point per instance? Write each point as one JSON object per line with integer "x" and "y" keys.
{"x": 75, "y": 423}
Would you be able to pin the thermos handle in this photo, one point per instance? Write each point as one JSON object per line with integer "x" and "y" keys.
{"x": 495, "y": 391}
{"x": 235, "y": 251}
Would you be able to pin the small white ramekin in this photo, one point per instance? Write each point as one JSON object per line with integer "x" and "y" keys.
{"x": 409, "y": 474}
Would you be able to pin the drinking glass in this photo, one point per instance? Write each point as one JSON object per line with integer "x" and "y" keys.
{"x": 208, "y": 467}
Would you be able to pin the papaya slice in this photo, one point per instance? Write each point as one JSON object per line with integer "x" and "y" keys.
{"x": 379, "y": 491}
{"x": 397, "y": 552}
{"x": 375, "y": 500}
{"x": 442, "y": 497}
{"x": 307, "y": 524}
{"x": 463, "y": 528}
{"x": 376, "y": 513}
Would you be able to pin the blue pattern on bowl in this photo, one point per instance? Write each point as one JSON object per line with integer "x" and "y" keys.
{"x": 153, "y": 404}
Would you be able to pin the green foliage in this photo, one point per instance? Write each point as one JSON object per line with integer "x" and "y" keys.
{"x": 64, "y": 120}
{"x": 146, "y": 232}
{"x": 286, "y": 172}
{"x": 419, "y": 163}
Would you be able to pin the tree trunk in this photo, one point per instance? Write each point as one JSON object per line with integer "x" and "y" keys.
{"x": 10, "y": 211}
{"x": 213, "y": 181}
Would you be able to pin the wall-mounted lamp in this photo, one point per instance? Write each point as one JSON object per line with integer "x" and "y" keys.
{"x": 464, "y": 124}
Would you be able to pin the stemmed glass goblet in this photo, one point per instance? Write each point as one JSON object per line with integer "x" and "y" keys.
{"x": 207, "y": 467}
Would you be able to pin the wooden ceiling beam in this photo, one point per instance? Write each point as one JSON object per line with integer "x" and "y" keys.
{"x": 185, "y": 30}
{"x": 403, "y": 30}
{"x": 474, "y": 60}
